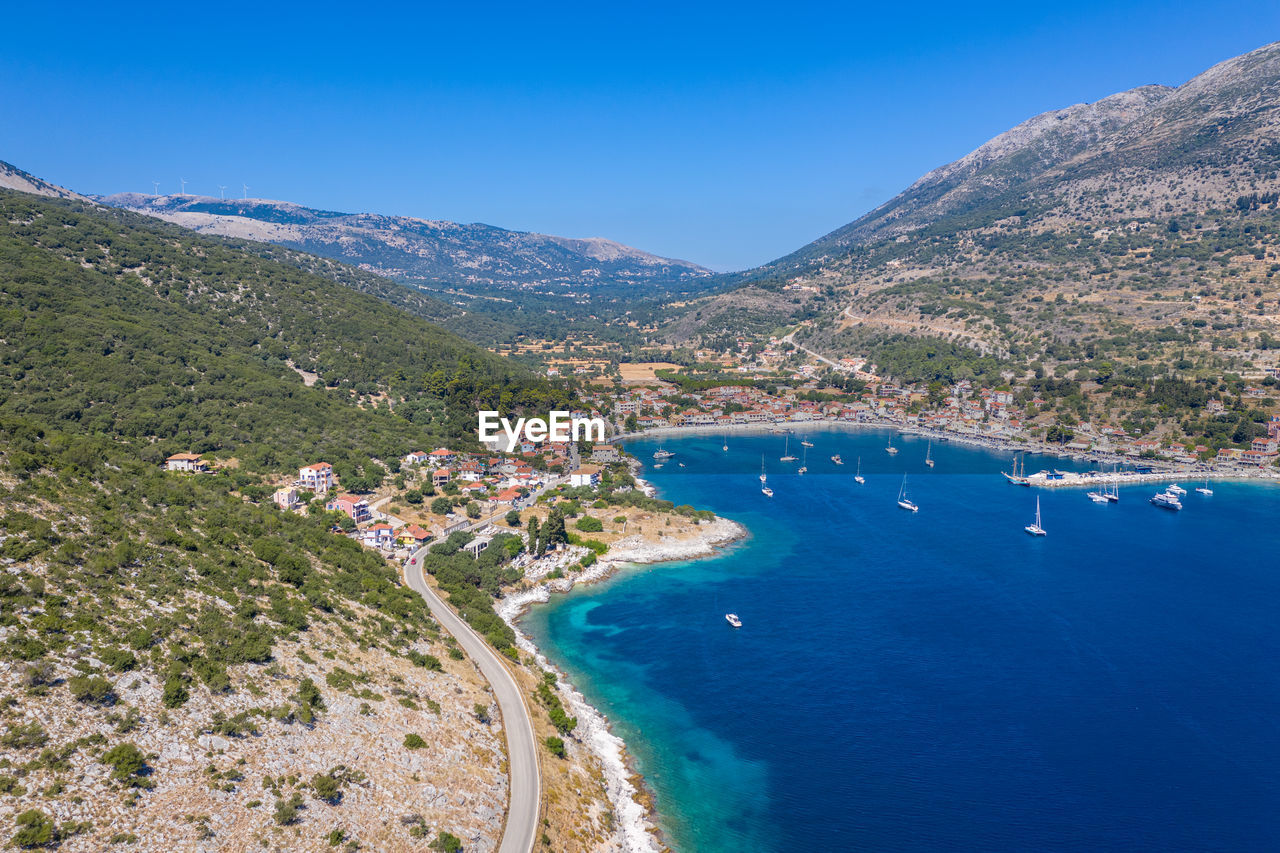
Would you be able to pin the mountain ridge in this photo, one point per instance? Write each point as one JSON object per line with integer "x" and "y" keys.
{"x": 423, "y": 251}
{"x": 1105, "y": 204}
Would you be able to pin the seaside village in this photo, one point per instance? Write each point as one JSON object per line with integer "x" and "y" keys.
{"x": 995, "y": 416}
{"x": 438, "y": 492}
{"x": 433, "y": 494}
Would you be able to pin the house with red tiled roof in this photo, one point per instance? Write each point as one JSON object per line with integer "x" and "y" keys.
{"x": 440, "y": 476}
{"x": 316, "y": 478}
{"x": 186, "y": 463}
{"x": 353, "y": 505}
{"x": 412, "y": 534}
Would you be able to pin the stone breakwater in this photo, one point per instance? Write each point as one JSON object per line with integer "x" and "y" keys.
{"x": 635, "y": 832}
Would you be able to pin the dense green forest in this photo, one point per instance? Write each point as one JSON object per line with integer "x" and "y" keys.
{"x": 116, "y": 324}
{"x": 126, "y": 339}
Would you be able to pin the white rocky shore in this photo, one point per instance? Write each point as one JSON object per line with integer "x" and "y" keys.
{"x": 635, "y": 832}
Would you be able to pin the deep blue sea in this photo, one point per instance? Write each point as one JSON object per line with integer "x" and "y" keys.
{"x": 941, "y": 680}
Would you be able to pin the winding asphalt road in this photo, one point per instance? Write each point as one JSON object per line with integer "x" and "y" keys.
{"x": 522, "y": 752}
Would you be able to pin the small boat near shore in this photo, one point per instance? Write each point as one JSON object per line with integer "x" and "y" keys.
{"x": 1205, "y": 490}
{"x": 837, "y": 460}
{"x": 928, "y": 455}
{"x": 732, "y": 619}
{"x": 857, "y": 477}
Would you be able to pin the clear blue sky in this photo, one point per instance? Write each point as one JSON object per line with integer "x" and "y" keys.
{"x": 726, "y": 133}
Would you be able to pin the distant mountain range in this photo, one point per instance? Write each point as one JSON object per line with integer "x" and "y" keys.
{"x": 1104, "y": 207}
{"x": 477, "y": 259}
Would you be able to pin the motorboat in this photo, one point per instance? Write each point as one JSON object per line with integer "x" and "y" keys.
{"x": 1165, "y": 500}
{"x": 732, "y": 619}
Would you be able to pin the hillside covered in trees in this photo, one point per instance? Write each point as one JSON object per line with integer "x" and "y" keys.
{"x": 178, "y": 658}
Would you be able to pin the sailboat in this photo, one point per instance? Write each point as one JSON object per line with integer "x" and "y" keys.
{"x": 1205, "y": 490}
{"x": 858, "y": 478}
{"x": 1019, "y": 476}
{"x": 726, "y": 444}
{"x": 1101, "y": 496}
{"x": 1034, "y": 527}
{"x": 891, "y": 450}
{"x": 806, "y": 443}
{"x": 804, "y": 462}
{"x": 762, "y": 477}
{"x": 928, "y": 455}
{"x": 764, "y": 490}
{"x": 904, "y": 501}
{"x": 786, "y": 453}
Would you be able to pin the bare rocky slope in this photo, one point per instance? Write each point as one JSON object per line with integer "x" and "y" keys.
{"x": 1081, "y": 230}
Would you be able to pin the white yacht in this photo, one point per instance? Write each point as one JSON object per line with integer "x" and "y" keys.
{"x": 804, "y": 462}
{"x": 786, "y": 453}
{"x": 766, "y": 491}
{"x": 928, "y": 455}
{"x": 1165, "y": 500}
{"x": 858, "y": 478}
{"x": 891, "y": 450}
{"x": 1205, "y": 490}
{"x": 1175, "y": 489}
{"x": 904, "y": 501}
{"x": 732, "y": 619}
{"x": 662, "y": 454}
{"x": 806, "y": 443}
{"x": 1034, "y": 527}
{"x": 1099, "y": 497}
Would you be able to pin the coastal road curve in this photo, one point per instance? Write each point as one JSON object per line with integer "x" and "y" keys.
{"x": 522, "y": 752}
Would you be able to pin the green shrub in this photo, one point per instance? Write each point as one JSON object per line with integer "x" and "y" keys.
{"x": 414, "y": 741}
{"x": 555, "y": 746}
{"x": 91, "y": 689}
{"x": 446, "y": 842}
{"x": 326, "y": 788}
{"x": 128, "y": 765}
{"x": 35, "y": 829}
{"x": 589, "y": 524}
{"x": 287, "y": 810}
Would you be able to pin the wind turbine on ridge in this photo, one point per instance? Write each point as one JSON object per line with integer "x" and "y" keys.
{"x": 246, "y": 191}
{"x": 222, "y": 191}
{"x": 156, "y": 184}
{"x": 184, "y": 186}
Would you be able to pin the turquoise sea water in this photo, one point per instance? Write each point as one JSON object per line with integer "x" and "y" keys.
{"x": 942, "y": 680}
